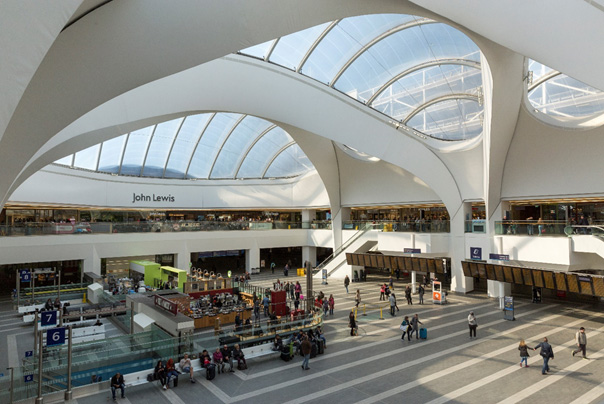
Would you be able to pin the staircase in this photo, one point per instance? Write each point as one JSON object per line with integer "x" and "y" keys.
{"x": 587, "y": 239}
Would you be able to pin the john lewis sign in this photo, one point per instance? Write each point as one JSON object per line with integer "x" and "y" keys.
{"x": 152, "y": 198}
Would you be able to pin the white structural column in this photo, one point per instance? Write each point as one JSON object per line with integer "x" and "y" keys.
{"x": 309, "y": 254}
{"x": 338, "y": 219}
{"x": 92, "y": 262}
{"x": 252, "y": 259}
{"x": 459, "y": 283}
{"x": 413, "y": 281}
{"x": 182, "y": 258}
{"x": 308, "y": 215}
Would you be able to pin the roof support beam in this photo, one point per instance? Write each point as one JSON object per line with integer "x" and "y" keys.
{"x": 443, "y": 98}
{"x": 244, "y": 156}
{"x": 281, "y": 150}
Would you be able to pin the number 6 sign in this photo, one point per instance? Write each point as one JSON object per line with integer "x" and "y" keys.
{"x": 55, "y": 336}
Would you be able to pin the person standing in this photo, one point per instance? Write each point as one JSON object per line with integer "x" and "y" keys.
{"x": 160, "y": 374}
{"x": 420, "y": 292}
{"x": 406, "y": 328}
{"x": 472, "y": 323}
{"x": 332, "y": 304}
{"x": 523, "y": 353}
{"x": 357, "y": 297}
{"x": 346, "y": 282}
{"x": 383, "y": 292}
{"x": 392, "y": 304}
{"x": 306, "y": 348}
{"x": 117, "y": 382}
{"x": 297, "y": 290}
{"x": 581, "y": 340}
{"x": 547, "y": 353}
{"x": 398, "y": 273}
{"x": 408, "y": 294}
{"x": 265, "y": 303}
{"x": 415, "y": 326}
{"x": 273, "y": 267}
{"x": 292, "y": 291}
{"x": 352, "y": 323}
{"x": 391, "y": 282}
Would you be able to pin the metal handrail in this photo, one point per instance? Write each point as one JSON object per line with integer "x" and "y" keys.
{"x": 343, "y": 247}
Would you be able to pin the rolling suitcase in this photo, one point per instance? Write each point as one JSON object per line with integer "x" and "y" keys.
{"x": 320, "y": 347}
{"x": 423, "y": 333}
{"x": 211, "y": 371}
{"x": 313, "y": 350}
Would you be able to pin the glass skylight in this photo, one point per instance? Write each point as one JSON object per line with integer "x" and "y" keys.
{"x": 567, "y": 101}
{"x": 203, "y": 146}
{"x": 396, "y": 64}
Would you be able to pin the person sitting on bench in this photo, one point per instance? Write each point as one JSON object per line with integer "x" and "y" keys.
{"x": 187, "y": 367}
{"x": 117, "y": 382}
{"x": 238, "y": 354}
{"x": 171, "y": 373}
{"x": 277, "y": 344}
{"x": 204, "y": 359}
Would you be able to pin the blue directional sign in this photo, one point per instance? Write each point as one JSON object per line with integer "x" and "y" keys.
{"x": 1, "y": 374}
{"x": 55, "y": 336}
{"x": 25, "y": 275}
{"x": 500, "y": 257}
{"x": 28, "y": 378}
{"x": 476, "y": 253}
{"x": 412, "y": 250}
{"x": 29, "y": 354}
{"x": 49, "y": 318}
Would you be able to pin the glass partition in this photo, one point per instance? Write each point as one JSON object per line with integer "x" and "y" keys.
{"x": 530, "y": 227}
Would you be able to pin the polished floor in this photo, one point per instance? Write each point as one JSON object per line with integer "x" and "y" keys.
{"x": 378, "y": 367}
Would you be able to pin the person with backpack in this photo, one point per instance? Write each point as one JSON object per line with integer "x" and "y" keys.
{"x": 547, "y": 352}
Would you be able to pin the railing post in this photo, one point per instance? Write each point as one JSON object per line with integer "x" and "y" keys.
{"x": 68, "y": 392}
{"x": 381, "y": 314}
{"x": 40, "y": 399}
{"x": 12, "y": 384}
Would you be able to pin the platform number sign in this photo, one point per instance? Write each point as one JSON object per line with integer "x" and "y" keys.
{"x": 28, "y": 378}
{"x": 55, "y": 336}
{"x": 49, "y": 318}
{"x": 25, "y": 275}
{"x": 29, "y": 354}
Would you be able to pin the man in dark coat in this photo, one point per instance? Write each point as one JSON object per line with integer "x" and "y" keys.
{"x": 547, "y": 352}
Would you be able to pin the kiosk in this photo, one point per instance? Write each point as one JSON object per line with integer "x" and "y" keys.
{"x": 438, "y": 295}
{"x": 149, "y": 269}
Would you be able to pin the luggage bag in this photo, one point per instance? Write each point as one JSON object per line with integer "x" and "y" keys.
{"x": 423, "y": 333}
{"x": 211, "y": 371}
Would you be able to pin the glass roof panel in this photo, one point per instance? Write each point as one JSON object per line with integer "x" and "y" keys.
{"x": 237, "y": 143}
{"x": 160, "y": 146}
{"x": 66, "y": 161}
{"x": 136, "y": 147}
{"x": 450, "y": 120}
{"x": 401, "y": 51}
{"x": 344, "y": 40}
{"x": 195, "y": 143}
{"x": 87, "y": 158}
{"x": 111, "y": 155}
{"x": 419, "y": 87}
{"x": 568, "y": 101}
{"x": 183, "y": 148}
{"x": 291, "y": 48}
{"x": 292, "y": 161}
{"x": 262, "y": 152}
{"x": 210, "y": 143}
{"x": 259, "y": 51}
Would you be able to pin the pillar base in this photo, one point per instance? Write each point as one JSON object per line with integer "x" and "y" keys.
{"x": 68, "y": 395}
{"x": 39, "y": 400}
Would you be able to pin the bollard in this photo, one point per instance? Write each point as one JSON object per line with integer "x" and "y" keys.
{"x": 381, "y": 316}
{"x": 355, "y": 313}
{"x": 364, "y": 309}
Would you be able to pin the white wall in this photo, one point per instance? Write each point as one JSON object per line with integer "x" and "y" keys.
{"x": 58, "y": 185}
{"x": 428, "y": 243}
{"x": 553, "y": 250}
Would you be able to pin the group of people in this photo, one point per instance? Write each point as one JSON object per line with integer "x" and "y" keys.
{"x": 408, "y": 327}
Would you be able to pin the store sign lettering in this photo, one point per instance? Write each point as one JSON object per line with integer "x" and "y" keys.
{"x": 152, "y": 198}
{"x": 166, "y": 304}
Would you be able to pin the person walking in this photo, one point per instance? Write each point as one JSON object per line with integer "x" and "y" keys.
{"x": 472, "y": 323}
{"x": 395, "y": 305}
{"x": 383, "y": 292}
{"x": 352, "y": 323}
{"x": 346, "y": 282}
{"x": 332, "y": 304}
{"x": 523, "y": 353}
{"x": 547, "y": 353}
{"x": 273, "y": 267}
{"x": 408, "y": 294}
{"x": 420, "y": 292}
{"x": 306, "y": 348}
{"x": 392, "y": 300}
{"x": 415, "y": 326}
{"x": 406, "y": 328}
{"x": 581, "y": 340}
{"x": 357, "y": 297}
{"x": 391, "y": 282}
{"x": 398, "y": 273}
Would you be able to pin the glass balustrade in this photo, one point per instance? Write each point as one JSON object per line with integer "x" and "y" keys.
{"x": 530, "y": 227}
{"x": 42, "y": 229}
{"x": 419, "y": 226}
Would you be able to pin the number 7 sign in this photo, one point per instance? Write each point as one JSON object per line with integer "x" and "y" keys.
{"x": 49, "y": 318}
